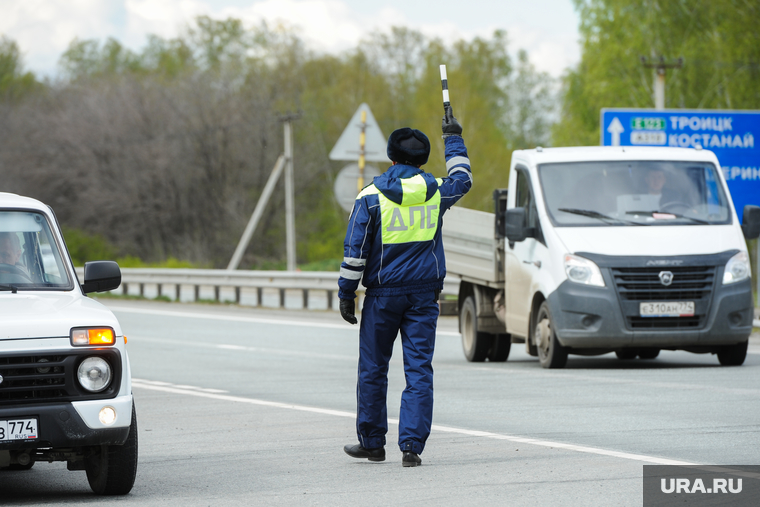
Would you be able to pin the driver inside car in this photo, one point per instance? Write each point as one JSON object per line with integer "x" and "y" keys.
{"x": 10, "y": 251}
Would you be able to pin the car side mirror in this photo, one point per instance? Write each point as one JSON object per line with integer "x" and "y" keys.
{"x": 101, "y": 276}
{"x": 514, "y": 225}
{"x": 751, "y": 221}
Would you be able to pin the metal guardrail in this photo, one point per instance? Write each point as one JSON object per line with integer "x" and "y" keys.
{"x": 170, "y": 282}
{"x": 282, "y": 281}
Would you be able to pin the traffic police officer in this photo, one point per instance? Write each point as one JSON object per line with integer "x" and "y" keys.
{"x": 393, "y": 244}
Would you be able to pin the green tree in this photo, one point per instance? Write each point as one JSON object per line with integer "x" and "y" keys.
{"x": 88, "y": 58}
{"x": 717, "y": 39}
{"x": 532, "y": 105}
{"x": 174, "y": 142}
{"x": 14, "y": 82}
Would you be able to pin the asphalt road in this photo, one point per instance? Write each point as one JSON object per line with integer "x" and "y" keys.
{"x": 253, "y": 406}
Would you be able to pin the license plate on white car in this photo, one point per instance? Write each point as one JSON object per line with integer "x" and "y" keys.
{"x": 18, "y": 429}
{"x": 667, "y": 309}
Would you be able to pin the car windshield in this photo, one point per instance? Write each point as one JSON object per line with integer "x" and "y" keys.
{"x": 29, "y": 255}
{"x": 633, "y": 193}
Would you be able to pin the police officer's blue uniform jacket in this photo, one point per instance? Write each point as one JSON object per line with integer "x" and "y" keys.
{"x": 393, "y": 244}
{"x": 396, "y": 221}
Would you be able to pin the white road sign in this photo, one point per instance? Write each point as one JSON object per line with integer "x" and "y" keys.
{"x": 376, "y": 144}
{"x": 346, "y": 187}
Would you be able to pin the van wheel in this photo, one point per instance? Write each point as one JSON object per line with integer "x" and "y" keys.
{"x": 733, "y": 355}
{"x": 551, "y": 353}
{"x": 499, "y": 352}
{"x": 648, "y": 353}
{"x": 475, "y": 343}
{"x": 111, "y": 469}
{"x": 626, "y": 354}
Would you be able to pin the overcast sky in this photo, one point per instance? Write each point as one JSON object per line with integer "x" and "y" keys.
{"x": 547, "y": 29}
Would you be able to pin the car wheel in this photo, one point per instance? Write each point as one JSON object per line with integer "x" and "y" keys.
{"x": 648, "y": 353}
{"x": 499, "y": 352}
{"x": 551, "y": 353}
{"x": 474, "y": 343}
{"x": 733, "y": 355}
{"x": 626, "y": 354}
{"x": 111, "y": 469}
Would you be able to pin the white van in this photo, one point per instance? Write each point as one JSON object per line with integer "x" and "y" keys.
{"x": 65, "y": 381}
{"x": 601, "y": 249}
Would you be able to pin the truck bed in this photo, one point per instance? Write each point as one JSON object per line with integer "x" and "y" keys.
{"x": 470, "y": 247}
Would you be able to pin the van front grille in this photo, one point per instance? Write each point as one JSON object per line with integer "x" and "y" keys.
{"x": 643, "y": 284}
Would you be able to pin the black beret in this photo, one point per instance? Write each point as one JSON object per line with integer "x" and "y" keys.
{"x": 408, "y": 146}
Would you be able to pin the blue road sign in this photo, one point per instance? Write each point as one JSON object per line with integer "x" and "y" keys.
{"x": 734, "y": 137}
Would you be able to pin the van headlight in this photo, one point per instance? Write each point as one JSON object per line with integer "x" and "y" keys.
{"x": 580, "y": 270}
{"x": 94, "y": 374}
{"x": 737, "y": 269}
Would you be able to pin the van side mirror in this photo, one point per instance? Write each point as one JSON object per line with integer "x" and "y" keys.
{"x": 751, "y": 221}
{"x": 500, "y": 208}
{"x": 101, "y": 276}
{"x": 514, "y": 225}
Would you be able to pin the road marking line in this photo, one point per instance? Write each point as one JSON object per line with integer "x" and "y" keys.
{"x": 157, "y": 383}
{"x": 287, "y": 352}
{"x": 572, "y": 375}
{"x": 160, "y": 386}
{"x": 236, "y": 318}
{"x": 494, "y": 368}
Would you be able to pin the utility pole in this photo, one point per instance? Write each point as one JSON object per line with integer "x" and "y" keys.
{"x": 660, "y": 66}
{"x": 284, "y": 162}
{"x": 290, "y": 214}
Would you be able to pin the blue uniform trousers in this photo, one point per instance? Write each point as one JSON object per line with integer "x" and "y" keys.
{"x": 416, "y": 316}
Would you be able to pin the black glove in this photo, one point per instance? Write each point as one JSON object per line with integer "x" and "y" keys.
{"x": 449, "y": 125}
{"x": 347, "y": 310}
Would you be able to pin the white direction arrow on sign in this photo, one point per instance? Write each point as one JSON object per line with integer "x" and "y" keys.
{"x": 615, "y": 129}
{"x": 375, "y": 145}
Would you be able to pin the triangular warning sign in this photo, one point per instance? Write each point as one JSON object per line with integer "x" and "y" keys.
{"x": 375, "y": 145}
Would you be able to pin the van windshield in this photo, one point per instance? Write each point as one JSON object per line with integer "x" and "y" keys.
{"x": 633, "y": 193}
{"x": 29, "y": 255}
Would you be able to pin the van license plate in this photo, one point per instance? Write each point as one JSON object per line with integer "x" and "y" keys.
{"x": 18, "y": 429}
{"x": 667, "y": 309}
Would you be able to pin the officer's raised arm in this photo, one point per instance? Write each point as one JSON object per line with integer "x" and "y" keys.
{"x": 459, "y": 180}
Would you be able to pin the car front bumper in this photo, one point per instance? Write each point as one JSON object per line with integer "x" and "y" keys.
{"x": 71, "y": 424}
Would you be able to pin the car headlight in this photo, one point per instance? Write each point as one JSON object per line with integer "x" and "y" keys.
{"x": 94, "y": 374}
{"x": 737, "y": 268}
{"x": 580, "y": 270}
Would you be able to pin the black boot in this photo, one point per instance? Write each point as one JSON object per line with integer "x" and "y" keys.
{"x": 357, "y": 451}
{"x": 411, "y": 459}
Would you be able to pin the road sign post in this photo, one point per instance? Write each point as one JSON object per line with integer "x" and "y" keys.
{"x": 348, "y": 145}
{"x": 362, "y": 154}
{"x": 362, "y": 141}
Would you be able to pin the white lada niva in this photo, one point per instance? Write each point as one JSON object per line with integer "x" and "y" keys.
{"x": 65, "y": 382}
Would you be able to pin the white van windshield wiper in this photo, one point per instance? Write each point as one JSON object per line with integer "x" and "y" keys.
{"x": 11, "y": 288}
{"x": 675, "y": 215}
{"x": 596, "y": 214}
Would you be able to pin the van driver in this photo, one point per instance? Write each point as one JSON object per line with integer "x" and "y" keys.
{"x": 661, "y": 193}
{"x": 656, "y": 180}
